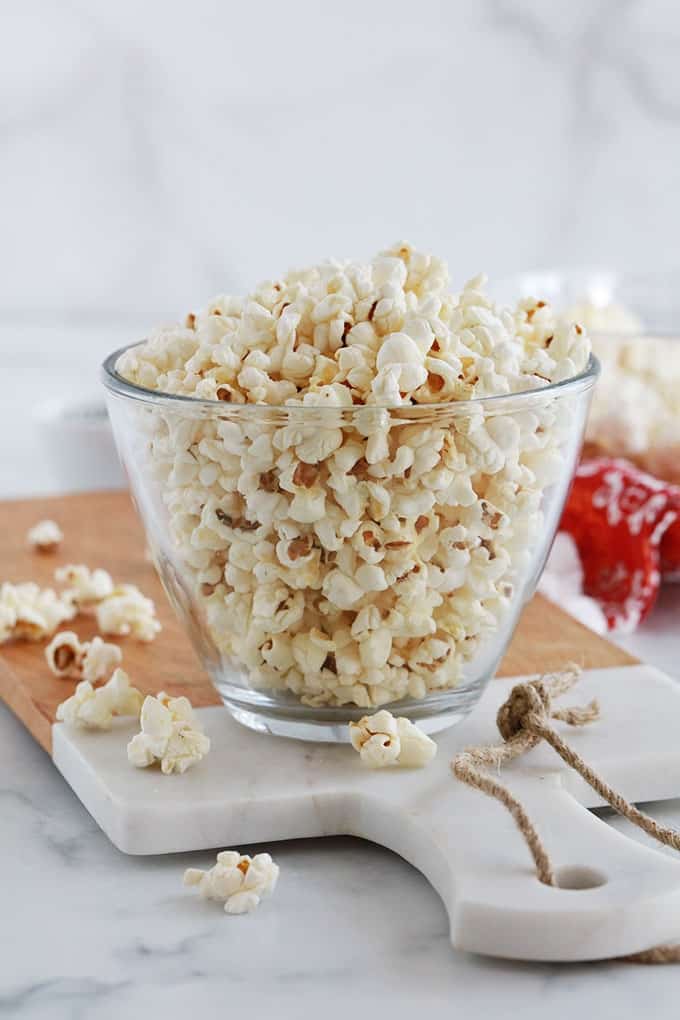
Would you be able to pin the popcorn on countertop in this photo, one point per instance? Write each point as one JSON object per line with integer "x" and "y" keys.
{"x": 91, "y": 660}
{"x": 45, "y": 536}
{"x": 237, "y": 880}
{"x": 170, "y": 734}
{"x": 382, "y": 740}
{"x": 93, "y": 708}
{"x": 338, "y": 551}
{"x": 31, "y": 613}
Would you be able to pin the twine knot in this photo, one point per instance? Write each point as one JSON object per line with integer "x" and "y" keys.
{"x": 524, "y": 720}
{"x": 531, "y": 698}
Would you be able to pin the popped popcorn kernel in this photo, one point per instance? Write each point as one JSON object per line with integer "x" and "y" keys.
{"x": 91, "y": 660}
{"x": 45, "y": 536}
{"x": 126, "y": 611}
{"x": 31, "y": 613}
{"x": 93, "y": 708}
{"x": 239, "y": 881}
{"x": 85, "y": 587}
{"x": 382, "y": 740}
{"x": 170, "y": 734}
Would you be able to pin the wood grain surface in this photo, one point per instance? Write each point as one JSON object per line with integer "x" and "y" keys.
{"x": 101, "y": 529}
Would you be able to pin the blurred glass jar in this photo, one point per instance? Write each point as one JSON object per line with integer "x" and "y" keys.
{"x": 317, "y": 586}
{"x": 634, "y": 322}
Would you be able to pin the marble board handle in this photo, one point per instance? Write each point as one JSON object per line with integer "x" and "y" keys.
{"x": 615, "y": 896}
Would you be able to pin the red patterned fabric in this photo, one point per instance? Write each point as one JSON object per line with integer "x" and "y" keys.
{"x": 626, "y": 525}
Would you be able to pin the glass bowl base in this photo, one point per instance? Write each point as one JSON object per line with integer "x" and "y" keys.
{"x": 291, "y": 719}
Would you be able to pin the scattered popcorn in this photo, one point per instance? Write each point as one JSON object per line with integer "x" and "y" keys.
{"x": 93, "y": 708}
{"x": 31, "y": 613}
{"x": 120, "y": 609}
{"x": 99, "y": 659}
{"x": 85, "y": 587}
{"x": 237, "y": 880}
{"x": 170, "y": 733}
{"x": 127, "y": 611}
{"x": 64, "y": 654}
{"x": 90, "y": 660}
{"x": 341, "y": 546}
{"x": 383, "y": 740}
{"x": 45, "y": 536}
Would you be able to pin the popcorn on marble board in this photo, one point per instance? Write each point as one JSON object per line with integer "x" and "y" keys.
{"x": 382, "y": 740}
{"x": 170, "y": 734}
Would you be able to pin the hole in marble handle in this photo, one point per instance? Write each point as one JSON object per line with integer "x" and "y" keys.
{"x": 579, "y": 877}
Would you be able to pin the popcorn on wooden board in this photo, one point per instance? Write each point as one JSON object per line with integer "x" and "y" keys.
{"x": 237, "y": 880}
{"x": 68, "y": 657}
{"x": 45, "y": 536}
{"x": 31, "y": 613}
{"x": 382, "y": 740}
{"x": 120, "y": 609}
{"x": 93, "y": 708}
{"x": 170, "y": 734}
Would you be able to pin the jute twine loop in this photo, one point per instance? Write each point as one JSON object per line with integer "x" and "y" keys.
{"x": 524, "y": 720}
{"x": 525, "y": 700}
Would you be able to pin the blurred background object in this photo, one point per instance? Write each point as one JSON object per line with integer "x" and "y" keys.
{"x": 155, "y": 154}
{"x": 634, "y": 322}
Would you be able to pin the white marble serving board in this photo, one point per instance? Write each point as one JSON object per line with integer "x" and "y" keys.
{"x": 257, "y": 788}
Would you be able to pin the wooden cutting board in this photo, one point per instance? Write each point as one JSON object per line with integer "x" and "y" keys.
{"x": 101, "y": 529}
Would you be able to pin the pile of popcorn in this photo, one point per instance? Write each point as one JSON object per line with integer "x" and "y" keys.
{"x": 354, "y": 540}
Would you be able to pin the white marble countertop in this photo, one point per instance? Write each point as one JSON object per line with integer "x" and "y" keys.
{"x": 351, "y": 927}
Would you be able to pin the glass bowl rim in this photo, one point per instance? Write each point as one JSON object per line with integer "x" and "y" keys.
{"x": 118, "y": 385}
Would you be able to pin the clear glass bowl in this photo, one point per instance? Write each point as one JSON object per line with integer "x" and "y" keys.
{"x": 315, "y": 591}
{"x": 634, "y": 322}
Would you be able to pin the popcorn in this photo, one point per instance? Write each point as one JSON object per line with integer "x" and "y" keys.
{"x": 94, "y": 708}
{"x": 237, "y": 880}
{"x": 31, "y": 613}
{"x": 361, "y": 542}
{"x": 382, "y": 740}
{"x": 64, "y": 655}
{"x": 45, "y": 536}
{"x": 126, "y": 611}
{"x": 90, "y": 660}
{"x": 85, "y": 587}
{"x": 99, "y": 658}
{"x": 170, "y": 734}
